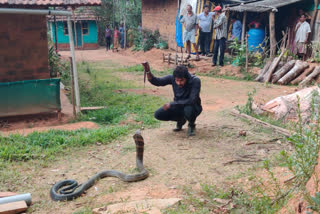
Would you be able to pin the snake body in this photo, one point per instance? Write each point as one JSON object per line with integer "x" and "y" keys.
{"x": 67, "y": 190}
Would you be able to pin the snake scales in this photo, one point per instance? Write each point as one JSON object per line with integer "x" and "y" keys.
{"x": 67, "y": 190}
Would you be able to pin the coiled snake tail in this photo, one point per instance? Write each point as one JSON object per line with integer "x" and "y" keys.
{"x": 67, "y": 190}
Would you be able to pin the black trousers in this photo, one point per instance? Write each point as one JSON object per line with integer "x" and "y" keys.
{"x": 189, "y": 112}
{"x": 219, "y": 44}
{"x": 108, "y": 43}
{"x": 204, "y": 39}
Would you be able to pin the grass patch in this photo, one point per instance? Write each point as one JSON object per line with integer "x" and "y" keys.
{"x": 211, "y": 199}
{"x": 103, "y": 87}
{"x": 48, "y": 144}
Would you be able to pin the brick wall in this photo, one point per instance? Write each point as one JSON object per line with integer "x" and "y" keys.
{"x": 24, "y": 47}
{"x": 85, "y": 46}
{"x": 161, "y": 14}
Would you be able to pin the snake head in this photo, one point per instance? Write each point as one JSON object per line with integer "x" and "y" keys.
{"x": 138, "y": 132}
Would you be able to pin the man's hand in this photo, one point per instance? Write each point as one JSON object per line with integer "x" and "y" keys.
{"x": 147, "y": 70}
{"x": 196, "y": 34}
{"x": 166, "y": 106}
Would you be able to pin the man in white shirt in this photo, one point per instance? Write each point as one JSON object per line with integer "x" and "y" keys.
{"x": 205, "y": 19}
{"x": 302, "y": 34}
{"x": 191, "y": 26}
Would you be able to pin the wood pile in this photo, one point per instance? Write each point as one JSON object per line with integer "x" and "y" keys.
{"x": 284, "y": 71}
{"x": 295, "y": 72}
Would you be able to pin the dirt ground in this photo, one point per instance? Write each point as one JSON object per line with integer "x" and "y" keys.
{"x": 174, "y": 160}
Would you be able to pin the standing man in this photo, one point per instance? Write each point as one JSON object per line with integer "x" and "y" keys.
{"x": 190, "y": 22}
{"x": 205, "y": 19}
{"x": 186, "y": 104}
{"x": 121, "y": 30}
{"x": 108, "y": 37}
{"x": 302, "y": 34}
{"x": 236, "y": 29}
{"x": 220, "y": 25}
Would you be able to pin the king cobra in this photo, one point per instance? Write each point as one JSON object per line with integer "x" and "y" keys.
{"x": 67, "y": 190}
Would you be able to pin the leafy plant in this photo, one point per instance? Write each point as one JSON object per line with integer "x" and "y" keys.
{"x": 147, "y": 40}
{"x": 306, "y": 143}
{"x": 316, "y": 203}
{"x": 316, "y": 51}
{"x": 240, "y": 52}
{"x": 54, "y": 62}
{"x": 247, "y": 108}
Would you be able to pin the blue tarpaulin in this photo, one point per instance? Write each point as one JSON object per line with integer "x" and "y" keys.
{"x": 178, "y": 38}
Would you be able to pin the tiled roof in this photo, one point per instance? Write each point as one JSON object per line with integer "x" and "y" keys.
{"x": 80, "y": 13}
{"x": 50, "y": 2}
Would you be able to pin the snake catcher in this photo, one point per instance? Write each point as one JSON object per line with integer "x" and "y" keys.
{"x": 67, "y": 190}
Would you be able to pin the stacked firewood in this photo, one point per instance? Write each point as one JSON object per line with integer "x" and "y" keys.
{"x": 290, "y": 72}
{"x": 283, "y": 70}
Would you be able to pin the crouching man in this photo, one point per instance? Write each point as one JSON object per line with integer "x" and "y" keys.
{"x": 187, "y": 103}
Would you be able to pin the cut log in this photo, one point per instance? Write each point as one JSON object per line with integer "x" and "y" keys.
{"x": 294, "y": 72}
{"x": 309, "y": 78}
{"x": 263, "y": 71}
{"x": 303, "y": 75}
{"x": 273, "y": 66}
{"x": 280, "y": 65}
{"x": 13, "y": 207}
{"x": 282, "y": 71}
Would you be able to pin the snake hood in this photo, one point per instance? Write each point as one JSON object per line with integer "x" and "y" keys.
{"x": 187, "y": 95}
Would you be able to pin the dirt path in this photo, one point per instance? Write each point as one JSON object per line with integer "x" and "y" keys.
{"x": 173, "y": 159}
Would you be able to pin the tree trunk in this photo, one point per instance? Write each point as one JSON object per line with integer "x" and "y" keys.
{"x": 273, "y": 42}
{"x": 303, "y": 75}
{"x": 263, "y": 71}
{"x": 294, "y": 72}
{"x": 282, "y": 71}
{"x": 315, "y": 12}
{"x": 280, "y": 65}
{"x": 309, "y": 78}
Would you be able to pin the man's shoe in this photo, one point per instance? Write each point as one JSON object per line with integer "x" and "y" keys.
{"x": 203, "y": 54}
{"x": 191, "y": 130}
{"x": 209, "y": 55}
{"x": 213, "y": 65}
{"x": 180, "y": 125}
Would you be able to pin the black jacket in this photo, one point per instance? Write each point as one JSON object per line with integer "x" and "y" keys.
{"x": 188, "y": 95}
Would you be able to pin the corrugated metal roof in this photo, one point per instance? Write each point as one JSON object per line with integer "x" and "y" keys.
{"x": 263, "y": 6}
{"x": 50, "y": 2}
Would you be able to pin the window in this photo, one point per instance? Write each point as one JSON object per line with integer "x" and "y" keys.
{"x": 85, "y": 27}
{"x": 65, "y": 28}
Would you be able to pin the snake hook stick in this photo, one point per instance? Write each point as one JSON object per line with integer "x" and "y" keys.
{"x": 68, "y": 190}
{"x": 146, "y": 70}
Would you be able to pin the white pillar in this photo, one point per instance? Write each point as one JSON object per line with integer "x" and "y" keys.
{"x": 75, "y": 73}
